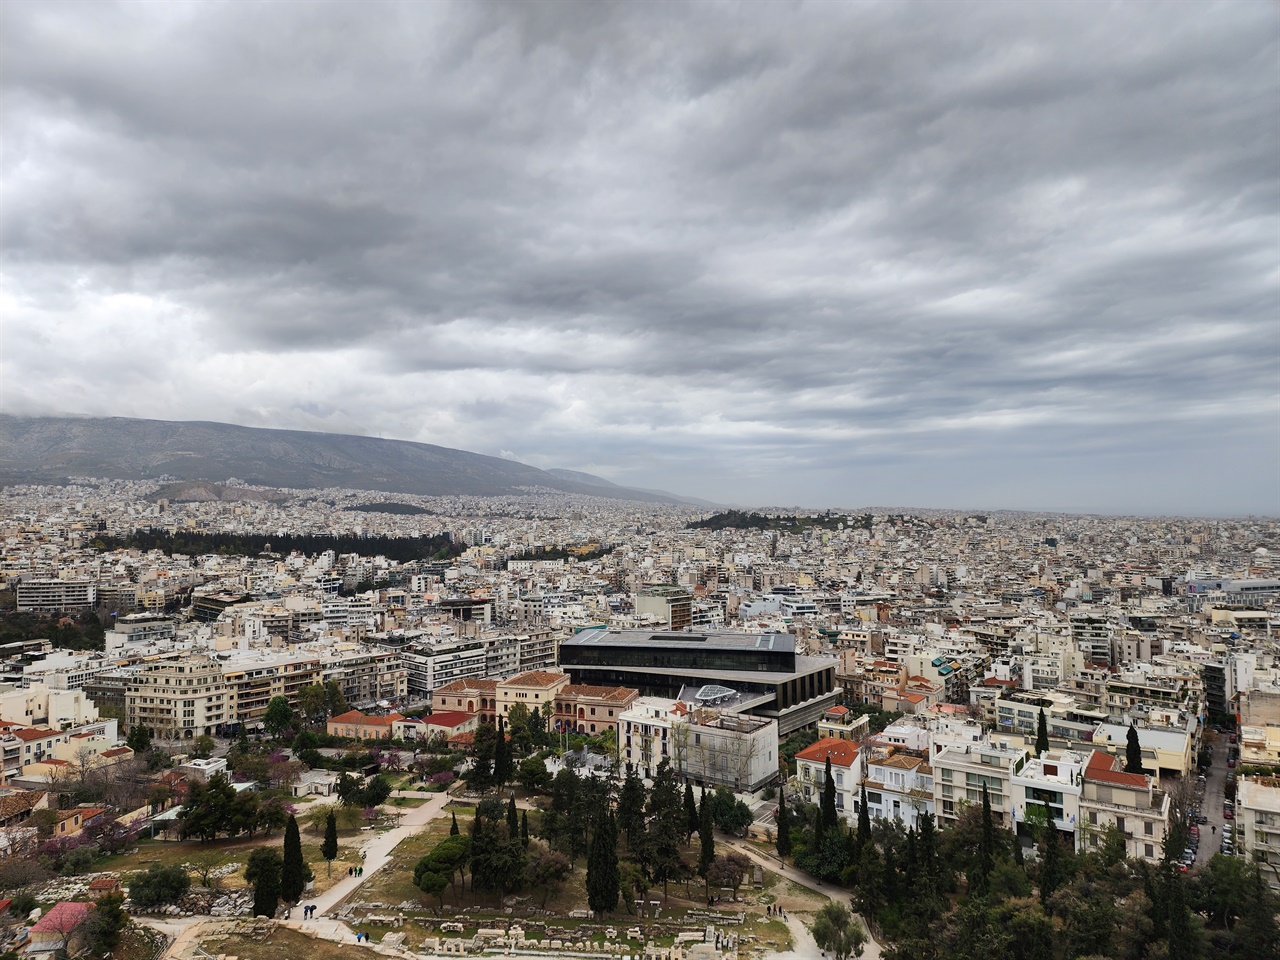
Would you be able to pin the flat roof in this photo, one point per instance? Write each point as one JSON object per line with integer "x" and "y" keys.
{"x": 782, "y": 642}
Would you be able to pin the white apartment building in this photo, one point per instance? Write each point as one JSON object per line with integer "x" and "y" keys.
{"x": 64, "y": 670}
{"x": 39, "y": 705}
{"x": 960, "y": 772}
{"x": 899, "y": 787}
{"x": 704, "y": 745}
{"x": 430, "y": 666}
{"x": 1054, "y": 780}
{"x": 1258, "y": 814}
{"x": 56, "y": 596}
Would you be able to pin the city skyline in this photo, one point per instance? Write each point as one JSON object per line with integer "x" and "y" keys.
{"x": 953, "y": 256}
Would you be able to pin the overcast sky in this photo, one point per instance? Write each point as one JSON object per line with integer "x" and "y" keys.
{"x": 957, "y": 255}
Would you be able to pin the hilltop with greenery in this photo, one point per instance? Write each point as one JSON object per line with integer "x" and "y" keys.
{"x": 743, "y": 520}
{"x": 192, "y": 543}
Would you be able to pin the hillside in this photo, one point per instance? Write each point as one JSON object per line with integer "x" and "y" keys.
{"x": 49, "y": 449}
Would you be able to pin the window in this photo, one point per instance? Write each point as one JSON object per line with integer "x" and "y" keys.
{"x": 1150, "y": 851}
{"x": 1149, "y": 829}
{"x": 1120, "y": 824}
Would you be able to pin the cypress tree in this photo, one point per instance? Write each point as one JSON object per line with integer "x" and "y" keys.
{"x": 603, "y": 879}
{"x": 329, "y": 846}
{"x": 1133, "y": 752}
{"x": 453, "y": 827}
{"x": 1042, "y": 735}
{"x": 524, "y": 828}
{"x": 706, "y": 834}
{"x": 293, "y": 872}
{"x": 513, "y": 823}
{"x": 502, "y": 767}
{"x": 828, "y": 798}
{"x": 692, "y": 820}
{"x": 1050, "y": 865}
{"x": 864, "y": 819}
{"x": 784, "y": 826}
{"x": 981, "y": 873}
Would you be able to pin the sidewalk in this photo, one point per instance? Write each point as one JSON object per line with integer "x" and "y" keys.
{"x": 377, "y": 853}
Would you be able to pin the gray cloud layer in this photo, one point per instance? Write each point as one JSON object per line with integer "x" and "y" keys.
{"x": 1008, "y": 255}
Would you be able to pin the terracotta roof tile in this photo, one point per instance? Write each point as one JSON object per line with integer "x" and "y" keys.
{"x": 842, "y": 753}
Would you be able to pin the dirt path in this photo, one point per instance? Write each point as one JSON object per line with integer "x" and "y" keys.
{"x": 872, "y": 950}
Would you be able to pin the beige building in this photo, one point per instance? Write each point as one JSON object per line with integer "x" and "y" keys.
{"x": 180, "y": 699}
{"x": 1128, "y": 801}
{"x": 533, "y": 689}
{"x": 251, "y": 681}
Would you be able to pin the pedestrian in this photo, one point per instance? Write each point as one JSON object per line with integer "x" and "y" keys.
{"x": 1215, "y": 829}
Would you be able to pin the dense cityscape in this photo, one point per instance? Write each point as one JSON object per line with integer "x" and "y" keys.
{"x": 559, "y": 722}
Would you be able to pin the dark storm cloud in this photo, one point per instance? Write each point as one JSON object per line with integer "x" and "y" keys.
{"x": 705, "y": 247}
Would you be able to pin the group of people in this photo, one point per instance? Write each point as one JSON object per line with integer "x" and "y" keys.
{"x": 308, "y": 911}
{"x": 361, "y": 936}
{"x": 771, "y": 911}
{"x": 355, "y": 871}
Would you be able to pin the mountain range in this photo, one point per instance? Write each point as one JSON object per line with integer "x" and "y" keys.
{"x": 50, "y": 449}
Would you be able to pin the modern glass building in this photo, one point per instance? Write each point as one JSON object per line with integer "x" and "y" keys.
{"x": 771, "y": 679}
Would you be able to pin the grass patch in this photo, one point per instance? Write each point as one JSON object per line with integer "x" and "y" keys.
{"x": 223, "y": 852}
{"x": 285, "y": 944}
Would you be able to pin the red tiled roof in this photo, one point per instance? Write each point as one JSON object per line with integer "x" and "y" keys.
{"x": 63, "y": 917}
{"x": 536, "y": 678}
{"x": 449, "y": 718}
{"x": 837, "y": 711}
{"x": 590, "y": 691}
{"x": 841, "y": 752}
{"x": 468, "y": 685}
{"x": 1106, "y": 769}
{"x": 28, "y": 733}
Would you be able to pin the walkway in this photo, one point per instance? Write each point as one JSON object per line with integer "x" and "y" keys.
{"x": 377, "y": 853}
{"x": 773, "y": 864}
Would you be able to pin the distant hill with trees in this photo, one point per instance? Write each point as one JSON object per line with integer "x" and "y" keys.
{"x": 743, "y": 520}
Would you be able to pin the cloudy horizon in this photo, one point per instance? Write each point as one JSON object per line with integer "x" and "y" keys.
{"x": 1009, "y": 256}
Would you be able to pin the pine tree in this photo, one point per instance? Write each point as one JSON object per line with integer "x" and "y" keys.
{"x": 1042, "y": 735}
{"x": 691, "y": 818}
{"x": 784, "y": 826}
{"x": 828, "y": 798}
{"x": 1133, "y": 752}
{"x": 293, "y": 872}
{"x": 603, "y": 879}
{"x": 706, "y": 836}
{"x": 329, "y": 846}
{"x": 453, "y": 827}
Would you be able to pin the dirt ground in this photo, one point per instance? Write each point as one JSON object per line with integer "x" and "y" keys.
{"x": 284, "y": 944}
